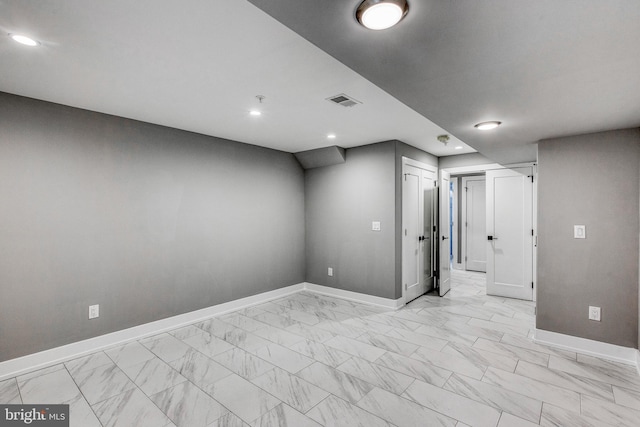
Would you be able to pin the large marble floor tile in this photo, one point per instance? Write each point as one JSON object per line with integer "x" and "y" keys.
{"x": 524, "y": 342}
{"x": 207, "y": 344}
{"x": 243, "y": 322}
{"x": 216, "y": 327}
{"x": 284, "y": 416}
{"x": 153, "y": 376}
{"x": 517, "y": 404}
{"x": 278, "y": 336}
{"x": 186, "y": 405}
{"x": 336, "y": 412}
{"x": 533, "y": 388}
{"x": 481, "y": 358}
{"x": 282, "y": 357}
{"x": 128, "y": 409}
{"x": 394, "y": 321}
{"x": 438, "y": 332}
{"x": 453, "y": 405}
{"x": 340, "y": 329}
{"x": 186, "y": 332}
{"x": 598, "y": 373}
{"x": 565, "y": 380}
{"x": 228, "y": 420}
{"x": 130, "y": 354}
{"x": 414, "y": 368}
{"x": 53, "y": 387}
{"x": 9, "y": 393}
{"x": 418, "y": 339}
{"x": 87, "y": 363}
{"x": 508, "y": 420}
{"x": 81, "y": 414}
{"x": 476, "y": 313}
{"x": 321, "y": 353}
{"x": 380, "y": 376}
{"x": 507, "y": 329}
{"x": 166, "y": 347}
{"x": 523, "y": 323}
{"x": 356, "y": 348}
{"x": 336, "y": 382}
{"x": 244, "y": 399}
{"x": 387, "y": 343}
{"x": 243, "y": 363}
{"x": 450, "y": 362}
{"x": 368, "y": 325}
{"x": 400, "y": 411}
{"x": 512, "y": 351}
{"x": 553, "y": 416}
{"x": 609, "y": 412}
{"x": 274, "y": 320}
{"x": 489, "y": 334}
{"x": 628, "y": 398}
{"x": 295, "y": 392}
{"x": 199, "y": 369}
{"x": 245, "y": 340}
{"x": 311, "y": 332}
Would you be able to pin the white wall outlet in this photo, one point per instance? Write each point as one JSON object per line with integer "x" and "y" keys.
{"x": 94, "y": 311}
{"x": 375, "y": 226}
{"x": 594, "y": 313}
{"x": 330, "y": 271}
{"x": 579, "y": 232}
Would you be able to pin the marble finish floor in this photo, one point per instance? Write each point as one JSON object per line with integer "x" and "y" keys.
{"x": 310, "y": 360}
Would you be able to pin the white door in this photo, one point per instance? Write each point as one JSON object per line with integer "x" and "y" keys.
{"x": 418, "y": 203}
{"x": 444, "y": 267}
{"x": 510, "y": 233}
{"x": 475, "y": 223}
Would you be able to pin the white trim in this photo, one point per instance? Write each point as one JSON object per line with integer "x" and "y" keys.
{"x": 31, "y": 362}
{"x": 392, "y": 304}
{"x": 411, "y": 162}
{"x": 43, "y": 359}
{"x": 616, "y": 353}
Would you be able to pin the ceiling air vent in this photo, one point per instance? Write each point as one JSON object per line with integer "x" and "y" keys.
{"x": 344, "y": 100}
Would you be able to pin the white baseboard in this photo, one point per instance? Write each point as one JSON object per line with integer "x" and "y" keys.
{"x": 31, "y": 362}
{"x": 43, "y": 359}
{"x": 616, "y": 353}
{"x": 392, "y": 304}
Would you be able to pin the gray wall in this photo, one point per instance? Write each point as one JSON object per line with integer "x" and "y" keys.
{"x": 460, "y": 160}
{"x": 592, "y": 180}
{"x": 146, "y": 221}
{"x": 341, "y": 201}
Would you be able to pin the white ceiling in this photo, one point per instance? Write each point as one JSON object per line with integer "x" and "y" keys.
{"x": 545, "y": 68}
{"x": 198, "y": 66}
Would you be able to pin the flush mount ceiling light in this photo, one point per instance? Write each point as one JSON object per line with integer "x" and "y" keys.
{"x": 255, "y": 113}
{"x": 458, "y": 147}
{"x": 488, "y": 125}
{"x": 27, "y": 41}
{"x": 331, "y": 136}
{"x": 381, "y": 14}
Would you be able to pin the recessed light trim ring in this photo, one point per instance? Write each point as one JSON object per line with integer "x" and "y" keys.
{"x": 25, "y": 40}
{"x": 381, "y": 14}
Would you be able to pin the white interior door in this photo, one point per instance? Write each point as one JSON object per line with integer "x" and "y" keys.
{"x": 444, "y": 267}
{"x": 411, "y": 233}
{"x": 418, "y": 228}
{"x": 510, "y": 232}
{"x": 474, "y": 214}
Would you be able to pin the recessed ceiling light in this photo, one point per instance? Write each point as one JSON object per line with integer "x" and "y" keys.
{"x": 488, "y": 125}
{"x": 381, "y": 14}
{"x": 27, "y": 41}
{"x": 255, "y": 113}
{"x": 458, "y": 147}
{"x": 331, "y": 136}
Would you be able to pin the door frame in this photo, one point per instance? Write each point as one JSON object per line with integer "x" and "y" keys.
{"x": 406, "y": 161}
{"x": 460, "y": 170}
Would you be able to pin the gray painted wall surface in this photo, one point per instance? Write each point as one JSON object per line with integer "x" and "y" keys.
{"x": 146, "y": 221}
{"x": 404, "y": 150}
{"x": 341, "y": 202}
{"x": 460, "y": 160}
{"x": 592, "y": 180}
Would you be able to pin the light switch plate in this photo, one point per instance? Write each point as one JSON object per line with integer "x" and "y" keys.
{"x": 94, "y": 311}
{"x": 330, "y": 271}
{"x": 594, "y": 313}
{"x": 579, "y": 232}
{"x": 375, "y": 226}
